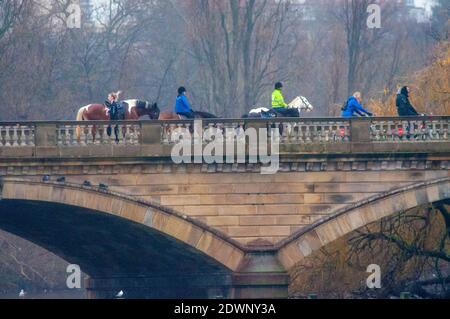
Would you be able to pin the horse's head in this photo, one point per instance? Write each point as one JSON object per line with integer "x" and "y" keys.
{"x": 301, "y": 103}
{"x": 144, "y": 108}
{"x": 152, "y": 110}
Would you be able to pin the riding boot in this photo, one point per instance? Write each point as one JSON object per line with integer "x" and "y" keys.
{"x": 116, "y": 133}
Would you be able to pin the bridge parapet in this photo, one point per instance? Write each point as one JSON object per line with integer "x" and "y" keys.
{"x": 156, "y": 138}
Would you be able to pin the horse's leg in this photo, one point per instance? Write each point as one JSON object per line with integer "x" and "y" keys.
{"x": 94, "y": 132}
{"x": 124, "y": 132}
{"x": 116, "y": 133}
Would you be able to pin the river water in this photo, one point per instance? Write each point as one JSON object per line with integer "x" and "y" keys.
{"x": 65, "y": 294}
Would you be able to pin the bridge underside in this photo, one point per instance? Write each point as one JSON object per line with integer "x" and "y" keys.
{"x": 148, "y": 262}
{"x": 120, "y": 255}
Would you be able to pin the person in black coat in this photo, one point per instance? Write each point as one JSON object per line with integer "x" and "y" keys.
{"x": 404, "y": 106}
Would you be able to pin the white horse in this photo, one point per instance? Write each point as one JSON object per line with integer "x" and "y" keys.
{"x": 300, "y": 103}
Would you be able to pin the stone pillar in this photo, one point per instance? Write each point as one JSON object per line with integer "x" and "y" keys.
{"x": 260, "y": 276}
{"x": 254, "y": 148}
{"x": 360, "y": 130}
{"x": 150, "y": 140}
{"x": 46, "y": 140}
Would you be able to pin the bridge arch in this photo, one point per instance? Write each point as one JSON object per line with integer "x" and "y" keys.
{"x": 344, "y": 221}
{"x": 43, "y": 213}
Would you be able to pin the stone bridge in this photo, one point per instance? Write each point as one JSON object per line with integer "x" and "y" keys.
{"x": 136, "y": 221}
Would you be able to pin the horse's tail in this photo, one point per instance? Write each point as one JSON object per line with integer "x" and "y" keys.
{"x": 80, "y": 118}
{"x": 205, "y": 115}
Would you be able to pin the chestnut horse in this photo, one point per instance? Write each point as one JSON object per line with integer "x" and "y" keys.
{"x": 133, "y": 109}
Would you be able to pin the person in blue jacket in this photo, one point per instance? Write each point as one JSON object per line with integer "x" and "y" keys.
{"x": 182, "y": 106}
{"x": 354, "y": 107}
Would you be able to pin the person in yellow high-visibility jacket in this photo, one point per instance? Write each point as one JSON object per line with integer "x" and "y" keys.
{"x": 278, "y": 104}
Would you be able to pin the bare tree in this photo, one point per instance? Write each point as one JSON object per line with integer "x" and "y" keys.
{"x": 10, "y": 12}
{"x": 238, "y": 42}
{"x": 415, "y": 249}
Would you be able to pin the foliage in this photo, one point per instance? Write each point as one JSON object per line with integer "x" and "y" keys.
{"x": 430, "y": 87}
{"x": 412, "y": 248}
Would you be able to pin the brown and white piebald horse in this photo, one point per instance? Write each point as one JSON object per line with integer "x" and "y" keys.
{"x": 133, "y": 110}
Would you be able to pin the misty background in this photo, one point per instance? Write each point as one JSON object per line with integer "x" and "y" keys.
{"x": 227, "y": 53}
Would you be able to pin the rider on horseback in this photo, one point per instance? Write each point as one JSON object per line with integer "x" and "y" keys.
{"x": 182, "y": 106}
{"x": 114, "y": 106}
{"x": 354, "y": 107}
{"x": 278, "y": 104}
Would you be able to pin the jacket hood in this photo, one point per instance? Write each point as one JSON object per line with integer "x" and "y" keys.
{"x": 404, "y": 91}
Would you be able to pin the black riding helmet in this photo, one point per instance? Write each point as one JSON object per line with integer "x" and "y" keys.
{"x": 181, "y": 90}
{"x": 278, "y": 86}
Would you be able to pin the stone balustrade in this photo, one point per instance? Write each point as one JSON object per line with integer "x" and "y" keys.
{"x": 156, "y": 138}
{"x": 291, "y": 131}
{"x": 16, "y": 135}
{"x": 96, "y": 134}
{"x": 403, "y": 130}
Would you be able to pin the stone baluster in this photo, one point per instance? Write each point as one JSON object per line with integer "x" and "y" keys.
{"x": 308, "y": 137}
{"x": 347, "y": 133}
{"x": 294, "y": 132}
{"x": 374, "y": 132}
{"x": 125, "y": 134}
{"x": 134, "y": 134}
{"x": 210, "y": 129}
{"x": 390, "y": 131}
{"x": 240, "y": 134}
{"x": 317, "y": 132}
{"x": 230, "y": 132}
{"x": 434, "y": 134}
{"x": 22, "y": 141}
{"x": 96, "y": 135}
{"x": 325, "y": 137}
{"x": 2, "y": 140}
{"x": 312, "y": 128}
{"x": 302, "y": 133}
{"x": 15, "y": 136}
{"x": 170, "y": 131}
{"x": 445, "y": 131}
{"x": 421, "y": 133}
{"x": 324, "y": 133}
{"x": 89, "y": 135}
{"x": 77, "y": 135}
{"x": 440, "y": 131}
{"x": 337, "y": 133}
{"x": 69, "y": 134}
{"x": 334, "y": 128}
{"x": 104, "y": 138}
{"x": 285, "y": 132}
{"x": 7, "y": 136}
{"x": 164, "y": 138}
{"x": 26, "y": 135}
{"x": 60, "y": 137}
{"x": 83, "y": 136}
{"x": 19, "y": 135}
{"x": 329, "y": 132}
{"x": 412, "y": 133}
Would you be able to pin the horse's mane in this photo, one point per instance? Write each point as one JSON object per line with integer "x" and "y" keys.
{"x": 141, "y": 104}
